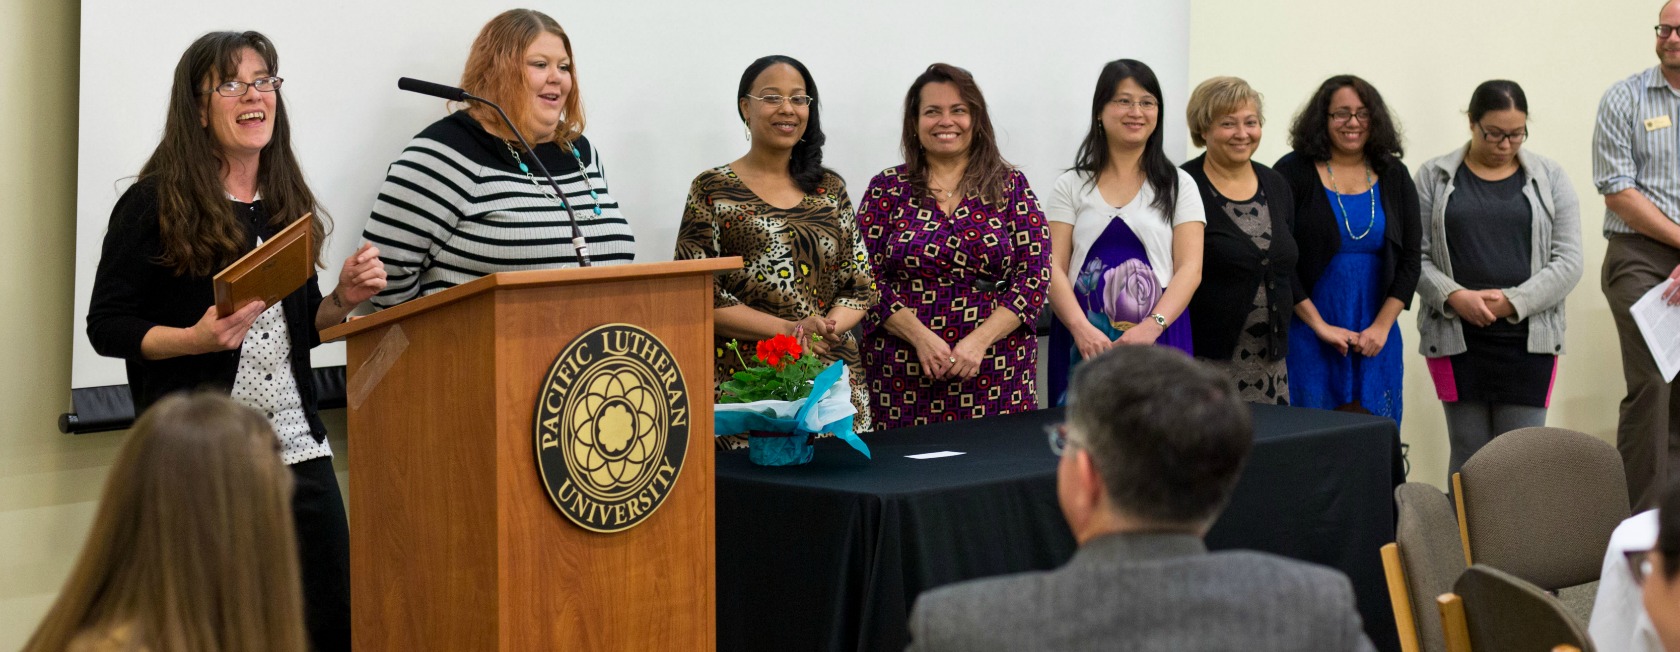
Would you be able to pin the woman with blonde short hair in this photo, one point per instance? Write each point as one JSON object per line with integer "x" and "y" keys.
{"x": 1248, "y": 253}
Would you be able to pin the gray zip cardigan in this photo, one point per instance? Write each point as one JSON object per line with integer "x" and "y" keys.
{"x": 1555, "y": 252}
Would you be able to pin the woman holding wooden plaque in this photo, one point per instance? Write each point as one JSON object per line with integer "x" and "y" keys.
{"x": 223, "y": 179}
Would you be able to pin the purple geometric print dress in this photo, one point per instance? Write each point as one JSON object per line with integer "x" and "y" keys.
{"x": 953, "y": 271}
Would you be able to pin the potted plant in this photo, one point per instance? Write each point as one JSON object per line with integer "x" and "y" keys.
{"x": 771, "y": 401}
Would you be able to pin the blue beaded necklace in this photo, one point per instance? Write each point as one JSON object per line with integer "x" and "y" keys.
{"x": 1338, "y": 192}
{"x": 549, "y": 193}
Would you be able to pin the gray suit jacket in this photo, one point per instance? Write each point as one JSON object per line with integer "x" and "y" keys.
{"x": 1146, "y": 592}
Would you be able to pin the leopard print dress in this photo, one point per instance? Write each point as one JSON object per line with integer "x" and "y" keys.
{"x": 796, "y": 262}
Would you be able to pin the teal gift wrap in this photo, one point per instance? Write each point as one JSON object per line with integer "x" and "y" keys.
{"x": 779, "y": 432}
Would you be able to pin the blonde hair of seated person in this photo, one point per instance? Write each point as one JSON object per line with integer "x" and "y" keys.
{"x": 192, "y": 548}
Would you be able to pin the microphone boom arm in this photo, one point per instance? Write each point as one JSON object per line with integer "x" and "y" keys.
{"x": 580, "y": 245}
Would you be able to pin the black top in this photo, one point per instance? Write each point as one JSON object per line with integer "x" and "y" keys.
{"x": 132, "y": 293}
{"x": 1318, "y": 238}
{"x": 1233, "y": 268}
{"x": 1489, "y": 228}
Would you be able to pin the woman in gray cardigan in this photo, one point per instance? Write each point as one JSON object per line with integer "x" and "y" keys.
{"x": 1501, "y": 250}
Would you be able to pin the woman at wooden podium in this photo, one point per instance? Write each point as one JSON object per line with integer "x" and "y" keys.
{"x": 223, "y": 177}
{"x": 462, "y": 202}
{"x": 804, "y": 269}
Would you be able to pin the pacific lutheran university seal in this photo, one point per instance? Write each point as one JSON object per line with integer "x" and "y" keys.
{"x": 611, "y": 427}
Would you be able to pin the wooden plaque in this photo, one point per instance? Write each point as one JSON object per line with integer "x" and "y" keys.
{"x": 276, "y": 268}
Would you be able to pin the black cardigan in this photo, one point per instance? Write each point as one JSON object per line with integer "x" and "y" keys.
{"x": 132, "y": 293}
{"x": 1233, "y": 269}
{"x": 1318, "y": 238}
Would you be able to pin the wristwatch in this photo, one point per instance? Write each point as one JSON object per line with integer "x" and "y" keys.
{"x": 1160, "y": 320}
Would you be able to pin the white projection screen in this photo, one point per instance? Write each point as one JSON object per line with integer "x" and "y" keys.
{"x": 657, "y": 79}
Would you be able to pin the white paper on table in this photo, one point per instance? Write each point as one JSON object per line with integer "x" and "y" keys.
{"x": 934, "y": 456}
{"x": 1660, "y": 324}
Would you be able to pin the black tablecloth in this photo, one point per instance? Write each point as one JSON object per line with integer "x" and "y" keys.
{"x": 831, "y": 555}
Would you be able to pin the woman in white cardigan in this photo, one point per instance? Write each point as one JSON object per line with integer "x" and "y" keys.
{"x": 1501, "y": 251}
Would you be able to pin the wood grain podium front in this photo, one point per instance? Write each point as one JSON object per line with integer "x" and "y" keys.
{"x": 455, "y": 540}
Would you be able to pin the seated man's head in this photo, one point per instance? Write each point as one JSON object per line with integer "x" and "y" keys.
{"x": 1660, "y": 578}
{"x": 1155, "y": 441}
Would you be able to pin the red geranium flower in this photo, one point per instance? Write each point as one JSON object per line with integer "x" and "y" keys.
{"x": 778, "y": 350}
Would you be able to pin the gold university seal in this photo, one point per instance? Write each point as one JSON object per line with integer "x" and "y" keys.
{"x": 611, "y": 427}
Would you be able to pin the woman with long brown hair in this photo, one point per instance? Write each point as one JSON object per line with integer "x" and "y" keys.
{"x": 1126, "y": 231}
{"x": 191, "y": 548}
{"x": 222, "y": 179}
{"x": 464, "y": 199}
{"x": 961, "y": 257}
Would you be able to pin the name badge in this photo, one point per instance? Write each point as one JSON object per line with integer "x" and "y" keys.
{"x": 1659, "y": 122}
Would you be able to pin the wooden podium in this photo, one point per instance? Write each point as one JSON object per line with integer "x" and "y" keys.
{"x": 456, "y": 542}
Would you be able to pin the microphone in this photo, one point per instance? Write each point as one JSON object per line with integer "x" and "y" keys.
{"x": 450, "y": 93}
{"x": 580, "y": 245}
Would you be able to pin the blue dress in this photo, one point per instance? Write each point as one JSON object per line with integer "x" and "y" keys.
{"x": 1349, "y": 295}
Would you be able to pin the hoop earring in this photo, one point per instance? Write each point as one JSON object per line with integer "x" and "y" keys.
{"x": 747, "y": 129}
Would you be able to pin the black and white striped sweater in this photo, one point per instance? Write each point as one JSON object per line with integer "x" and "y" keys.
{"x": 456, "y": 207}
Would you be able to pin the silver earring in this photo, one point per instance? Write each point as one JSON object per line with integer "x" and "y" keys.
{"x": 747, "y": 129}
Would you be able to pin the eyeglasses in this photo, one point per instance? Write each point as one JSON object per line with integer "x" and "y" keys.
{"x": 1663, "y": 31}
{"x": 1126, "y": 104}
{"x": 1494, "y": 137}
{"x": 1639, "y": 564}
{"x": 776, "y": 100}
{"x": 237, "y": 88}
{"x": 1060, "y": 440}
{"x": 1342, "y": 116}
{"x": 1251, "y": 123}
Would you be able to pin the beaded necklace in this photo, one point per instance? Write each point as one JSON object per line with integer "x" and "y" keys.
{"x": 549, "y": 193}
{"x": 1338, "y": 192}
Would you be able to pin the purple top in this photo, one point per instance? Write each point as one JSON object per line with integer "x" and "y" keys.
{"x": 954, "y": 271}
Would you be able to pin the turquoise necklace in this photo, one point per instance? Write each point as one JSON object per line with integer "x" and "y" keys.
{"x": 549, "y": 193}
{"x": 1338, "y": 192}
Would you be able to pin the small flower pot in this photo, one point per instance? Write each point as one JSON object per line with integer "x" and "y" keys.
{"x": 779, "y": 448}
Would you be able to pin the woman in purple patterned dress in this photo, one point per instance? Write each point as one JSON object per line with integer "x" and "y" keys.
{"x": 961, "y": 255}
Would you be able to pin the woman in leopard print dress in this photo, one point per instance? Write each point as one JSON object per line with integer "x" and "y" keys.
{"x": 804, "y": 267}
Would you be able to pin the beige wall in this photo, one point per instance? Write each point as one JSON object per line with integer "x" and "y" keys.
{"x": 1426, "y": 56}
{"x": 48, "y": 482}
